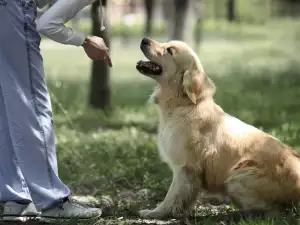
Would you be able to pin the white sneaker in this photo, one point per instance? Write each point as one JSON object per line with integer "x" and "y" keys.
{"x": 70, "y": 210}
{"x": 19, "y": 212}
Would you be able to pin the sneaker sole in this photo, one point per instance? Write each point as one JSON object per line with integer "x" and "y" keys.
{"x": 52, "y": 219}
{"x": 22, "y": 219}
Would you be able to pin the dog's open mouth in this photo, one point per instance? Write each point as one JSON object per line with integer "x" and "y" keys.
{"x": 149, "y": 68}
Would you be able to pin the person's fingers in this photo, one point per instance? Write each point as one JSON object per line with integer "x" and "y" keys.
{"x": 107, "y": 58}
{"x": 102, "y": 57}
{"x": 91, "y": 54}
{"x": 92, "y": 57}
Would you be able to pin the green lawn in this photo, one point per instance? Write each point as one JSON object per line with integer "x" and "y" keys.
{"x": 113, "y": 156}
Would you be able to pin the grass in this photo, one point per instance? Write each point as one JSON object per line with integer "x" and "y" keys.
{"x": 113, "y": 157}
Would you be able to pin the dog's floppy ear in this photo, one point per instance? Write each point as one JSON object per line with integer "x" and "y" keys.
{"x": 193, "y": 82}
{"x": 196, "y": 84}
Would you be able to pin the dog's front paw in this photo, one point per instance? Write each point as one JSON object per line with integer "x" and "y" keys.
{"x": 144, "y": 213}
{"x": 151, "y": 214}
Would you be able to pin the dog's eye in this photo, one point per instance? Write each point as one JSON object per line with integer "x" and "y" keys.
{"x": 169, "y": 50}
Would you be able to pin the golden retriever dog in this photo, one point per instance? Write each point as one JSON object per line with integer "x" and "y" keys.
{"x": 207, "y": 149}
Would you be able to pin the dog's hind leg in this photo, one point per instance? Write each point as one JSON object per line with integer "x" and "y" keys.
{"x": 250, "y": 189}
{"x": 180, "y": 197}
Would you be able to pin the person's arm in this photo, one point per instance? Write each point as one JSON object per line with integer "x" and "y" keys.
{"x": 52, "y": 23}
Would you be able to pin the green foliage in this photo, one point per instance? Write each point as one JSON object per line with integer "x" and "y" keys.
{"x": 253, "y": 11}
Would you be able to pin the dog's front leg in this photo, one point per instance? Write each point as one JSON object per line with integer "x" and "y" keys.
{"x": 180, "y": 197}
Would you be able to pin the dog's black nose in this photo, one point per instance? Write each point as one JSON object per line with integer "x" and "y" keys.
{"x": 145, "y": 41}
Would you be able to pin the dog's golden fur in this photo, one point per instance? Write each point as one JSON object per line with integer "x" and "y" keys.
{"x": 209, "y": 150}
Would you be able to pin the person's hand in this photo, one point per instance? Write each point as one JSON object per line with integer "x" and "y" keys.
{"x": 96, "y": 49}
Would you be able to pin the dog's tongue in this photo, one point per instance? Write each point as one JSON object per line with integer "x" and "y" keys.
{"x": 148, "y": 64}
{"x": 148, "y": 67}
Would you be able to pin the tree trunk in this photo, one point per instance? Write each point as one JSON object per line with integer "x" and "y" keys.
{"x": 100, "y": 90}
{"x": 231, "y": 10}
{"x": 149, "y": 7}
{"x": 199, "y": 9}
{"x": 179, "y": 18}
{"x": 168, "y": 12}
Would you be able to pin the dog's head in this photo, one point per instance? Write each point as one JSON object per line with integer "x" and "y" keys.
{"x": 175, "y": 66}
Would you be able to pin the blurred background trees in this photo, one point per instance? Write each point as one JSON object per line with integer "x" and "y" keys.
{"x": 231, "y": 10}
{"x": 149, "y": 8}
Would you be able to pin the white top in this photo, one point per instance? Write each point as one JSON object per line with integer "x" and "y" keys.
{"x": 52, "y": 23}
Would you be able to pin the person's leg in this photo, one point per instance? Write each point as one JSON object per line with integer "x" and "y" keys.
{"x": 12, "y": 183}
{"x": 27, "y": 105}
{"x": 29, "y": 115}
